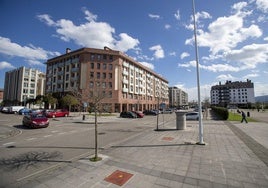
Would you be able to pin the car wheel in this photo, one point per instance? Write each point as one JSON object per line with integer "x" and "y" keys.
{"x": 53, "y": 116}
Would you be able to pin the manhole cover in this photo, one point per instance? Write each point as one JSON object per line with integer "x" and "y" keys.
{"x": 118, "y": 177}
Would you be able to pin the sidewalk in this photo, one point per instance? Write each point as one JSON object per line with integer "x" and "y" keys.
{"x": 231, "y": 158}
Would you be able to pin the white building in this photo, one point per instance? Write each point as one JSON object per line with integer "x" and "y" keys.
{"x": 232, "y": 93}
{"x": 22, "y": 84}
{"x": 177, "y": 97}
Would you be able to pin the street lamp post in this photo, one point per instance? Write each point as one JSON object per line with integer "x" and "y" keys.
{"x": 201, "y": 139}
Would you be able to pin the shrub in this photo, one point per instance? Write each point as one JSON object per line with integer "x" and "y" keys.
{"x": 221, "y": 113}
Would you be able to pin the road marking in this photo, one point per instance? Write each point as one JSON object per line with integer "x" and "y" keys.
{"x": 29, "y": 139}
{"x": 8, "y": 143}
{"x": 49, "y": 135}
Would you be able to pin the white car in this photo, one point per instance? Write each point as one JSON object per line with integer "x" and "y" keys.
{"x": 192, "y": 116}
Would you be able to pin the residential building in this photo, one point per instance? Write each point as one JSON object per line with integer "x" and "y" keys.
{"x": 22, "y": 84}
{"x": 128, "y": 85}
{"x": 232, "y": 93}
{"x": 1, "y": 95}
{"x": 177, "y": 97}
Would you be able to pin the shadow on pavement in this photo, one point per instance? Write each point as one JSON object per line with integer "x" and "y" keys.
{"x": 31, "y": 159}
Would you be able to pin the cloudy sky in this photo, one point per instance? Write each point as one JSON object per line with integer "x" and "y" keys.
{"x": 232, "y": 37}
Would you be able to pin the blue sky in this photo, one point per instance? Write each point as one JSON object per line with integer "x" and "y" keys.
{"x": 232, "y": 37}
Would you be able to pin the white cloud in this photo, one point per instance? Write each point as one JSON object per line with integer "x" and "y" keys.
{"x": 159, "y": 52}
{"x": 225, "y": 33}
{"x": 154, "y": 16}
{"x": 249, "y": 56}
{"x": 262, "y": 5}
{"x": 6, "y": 65}
{"x": 266, "y": 39}
{"x": 91, "y": 34}
{"x": 148, "y": 65}
{"x": 224, "y": 77}
{"x": 30, "y": 52}
{"x": 177, "y": 15}
{"x": 46, "y": 19}
{"x": 212, "y": 67}
{"x": 126, "y": 42}
{"x": 248, "y": 76}
{"x": 167, "y": 26}
{"x": 172, "y": 53}
{"x": 184, "y": 54}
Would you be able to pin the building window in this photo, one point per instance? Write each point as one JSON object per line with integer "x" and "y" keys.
{"x": 92, "y": 57}
{"x": 98, "y": 75}
{"x": 91, "y": 84}
{"x": 92, "y": 65}
{"x": 103, "y": 85}
{"x": 110, "y": 84}
{"x": 91, "y": 75}
{"x": 98, "y": 65}
{"x": 99, "y": 57}
{"x": 111, "y": 58}
{"x": 104, "y": 66}
{"x": 110, "y": 75}
{"x": 110, "y": 66}
{"x": 104, "y": 57}
{"x": 104, "y": 75}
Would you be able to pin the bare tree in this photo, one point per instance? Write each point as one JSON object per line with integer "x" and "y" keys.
{"x": 96, "y": 95}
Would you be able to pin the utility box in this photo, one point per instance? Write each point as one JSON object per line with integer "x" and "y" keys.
{"x": 181, "y": 120}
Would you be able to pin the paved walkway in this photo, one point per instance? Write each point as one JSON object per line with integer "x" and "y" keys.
{"x": 235, "y": 156}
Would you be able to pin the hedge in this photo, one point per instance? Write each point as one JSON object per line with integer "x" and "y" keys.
{"x": 221, "y": 112}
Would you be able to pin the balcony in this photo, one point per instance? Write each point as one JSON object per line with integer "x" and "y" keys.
{"x": 125, "y": 72}
{"x": 125, "y": 81}
{"x": 76, "y": 69}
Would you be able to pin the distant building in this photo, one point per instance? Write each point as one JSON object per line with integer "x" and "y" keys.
{"x": 22, "y": 84}
{"x": 177, "y": 97}
{"x": 1, "y": 94}
{"x": 128, "y": 85}
{"x": 232, "y": 93}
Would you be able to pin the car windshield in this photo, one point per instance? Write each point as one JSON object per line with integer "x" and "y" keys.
{"x": 38, "y": 116}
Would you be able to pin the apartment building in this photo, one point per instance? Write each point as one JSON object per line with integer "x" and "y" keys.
{"x": 232, "y": 93}
{"x": 22, "y": 84}
{"x": 177, "y": 97}
{"x": 127, "y": 84}
{"x": 1, "y": 94}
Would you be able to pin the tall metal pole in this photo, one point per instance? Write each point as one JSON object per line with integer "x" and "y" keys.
{"x": 201, "y": 139}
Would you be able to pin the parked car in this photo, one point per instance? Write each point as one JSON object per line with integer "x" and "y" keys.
{"x": 15, "y": 109}
{"x": 35, "y": 121}
{"x": 57, "y": 113}
{"x": 25, "y": 111}
{"x": 37, "y": 111}
{"x": 192, "y": 116}
{"x": 138, "y": 113}
{"x": 167, "y": 111}
{"x": 5, "y": 109}
{"x": 128, "y": 115}
{"x": 150, "y": 112}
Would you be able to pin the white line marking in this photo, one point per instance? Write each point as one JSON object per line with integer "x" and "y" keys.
{"x": 8, "y": 143}
{"x": 29, "y": 139}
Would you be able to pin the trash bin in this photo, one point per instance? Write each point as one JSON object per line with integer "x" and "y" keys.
{"x": 84, "y": 117}
{"x": 181, "y": 120}
{"x": 248, "y": 114}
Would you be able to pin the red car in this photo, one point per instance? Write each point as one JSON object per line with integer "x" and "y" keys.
{"x": 57, "y": 113}
{"x": 139, "y": 114}
{"x": 35, "y": 121}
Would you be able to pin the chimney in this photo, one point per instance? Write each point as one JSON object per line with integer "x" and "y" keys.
{"x": 68, "y": 50}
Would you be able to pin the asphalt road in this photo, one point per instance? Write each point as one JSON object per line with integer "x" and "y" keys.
{"x": 25, "y": 152}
